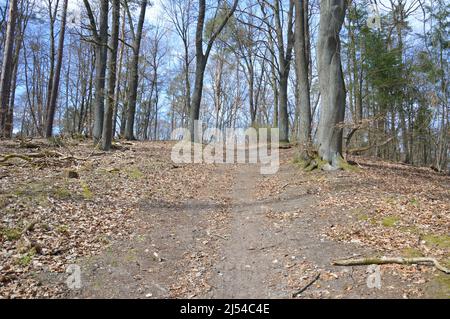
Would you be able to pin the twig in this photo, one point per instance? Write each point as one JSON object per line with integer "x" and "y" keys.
{"x": 300, "y": 291}
{"x": 391, "y": 260}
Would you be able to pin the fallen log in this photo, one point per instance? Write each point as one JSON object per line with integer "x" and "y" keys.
{"x": 391, "y": 260}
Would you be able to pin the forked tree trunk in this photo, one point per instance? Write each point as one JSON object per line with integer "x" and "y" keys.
{"x": 202, "y": 59}
{"x": 57, "y": 75}
{"x": 332, "y": 86}
{"x": 134, "y": 75}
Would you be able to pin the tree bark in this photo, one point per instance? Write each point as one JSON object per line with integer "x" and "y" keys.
{"x": 284, "y": 60}
{"x": 332, "y": 87}
{"x": 57, "y": 75}
{"x": 5, "y": 80}
{"x": 303, "y": 89}
{"x": 134, "y": 75}
{"x": 107, "y": 134}
{"x": 202, "y": 59}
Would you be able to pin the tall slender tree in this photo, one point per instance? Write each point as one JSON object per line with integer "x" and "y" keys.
{"x": 7, "y": 64}
{"x": 107, "y": 134}
{"x": 57, "y": 75}
{"x": 134, "y": 74}
{"x": 201, "y": 58}
{"x": 101, "y": 55}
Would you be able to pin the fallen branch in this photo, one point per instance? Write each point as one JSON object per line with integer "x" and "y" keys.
{"x": 391, "y": 260}
{"x": 43, "y": 155}
{"x": 300, "y": 291}
{"x": 363, "y": 149}
{"x": 11, "y": 156}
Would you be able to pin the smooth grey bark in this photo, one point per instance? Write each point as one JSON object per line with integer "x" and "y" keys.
{"x": 117, "y": 90}
{"x": 7, "y": 64}
{"x": 134, "y": 75}
{"x": 107, "y": 134}
{"x": 57, "y": 74}
{"x": 202, "y": 59}
{"x": 284, "y": 60}
{"x": 332, "y": 86}
{"x": 52, "y": 14}
{"x": 302, "y": 67}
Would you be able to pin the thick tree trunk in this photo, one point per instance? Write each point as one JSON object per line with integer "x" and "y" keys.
{"x": 107, "y": 134}
{"x": 57, "y": 75}
{"x": 100, "y": 77}
{"x": 332, "y": 87}
{"x": 303, "y": 89}
{"x": 134, "y": 75}
{"x": 5, "y": 80}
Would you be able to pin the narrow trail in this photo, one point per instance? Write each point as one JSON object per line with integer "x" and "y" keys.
{"x": 244, "y": 266}
{"x": 249, "y": 246}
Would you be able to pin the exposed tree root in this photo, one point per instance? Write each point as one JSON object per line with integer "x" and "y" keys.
{"x": 29, "y": 157}
{"x": 312, "y": 163}
{"x": 391, "y": 260}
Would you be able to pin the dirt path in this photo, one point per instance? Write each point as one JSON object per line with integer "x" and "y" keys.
{"x": 244, "y": 266}
{"x": 249, "y": 246}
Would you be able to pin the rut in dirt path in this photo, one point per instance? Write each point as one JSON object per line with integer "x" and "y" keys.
{"x": 246, "y": 264}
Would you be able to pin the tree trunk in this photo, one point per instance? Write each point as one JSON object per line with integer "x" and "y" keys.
{"x": 5, "y": 80}
{"x": 100, "y": 76}
{"x": 57, "y": 75}
{"x": 202, "y": 59}
{"x": 332, "y": 87}
{"x": 107, "y": 134}
{"x": 303, "y": 90}
{"x": 134, "y": 75}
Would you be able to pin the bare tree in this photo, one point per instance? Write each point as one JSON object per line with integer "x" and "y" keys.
{"x": 134, "y": 75}
{"x": 107, "y": 134}
{"x": 7, "y": 63}
{"x": 332, "y": 86}
{"x": 180, "y": 14}
{"x": 202, "y": 58}
{"x": 55, "y": 86}
{"x": 101, "y": 55}
{"x": 303, "y": 89}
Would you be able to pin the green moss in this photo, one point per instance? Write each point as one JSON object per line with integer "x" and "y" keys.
{"x": 62, "y": 192}
{"x": 442, "y": 286}
{"x": 63, "y": 229}
{"x": 26, "y": 259}
{"x": 411, "y": 252}
{"x": 442, "y": 241}
{"x": 343, "y": 164}
{"x": 135, "y": 173}
{"x": 86, "y": 191}
{"x": 11, "y": 234}
{"x": 389, "y": 221}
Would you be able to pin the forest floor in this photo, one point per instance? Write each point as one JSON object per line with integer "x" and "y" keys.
{"x": 139, "y": 226}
